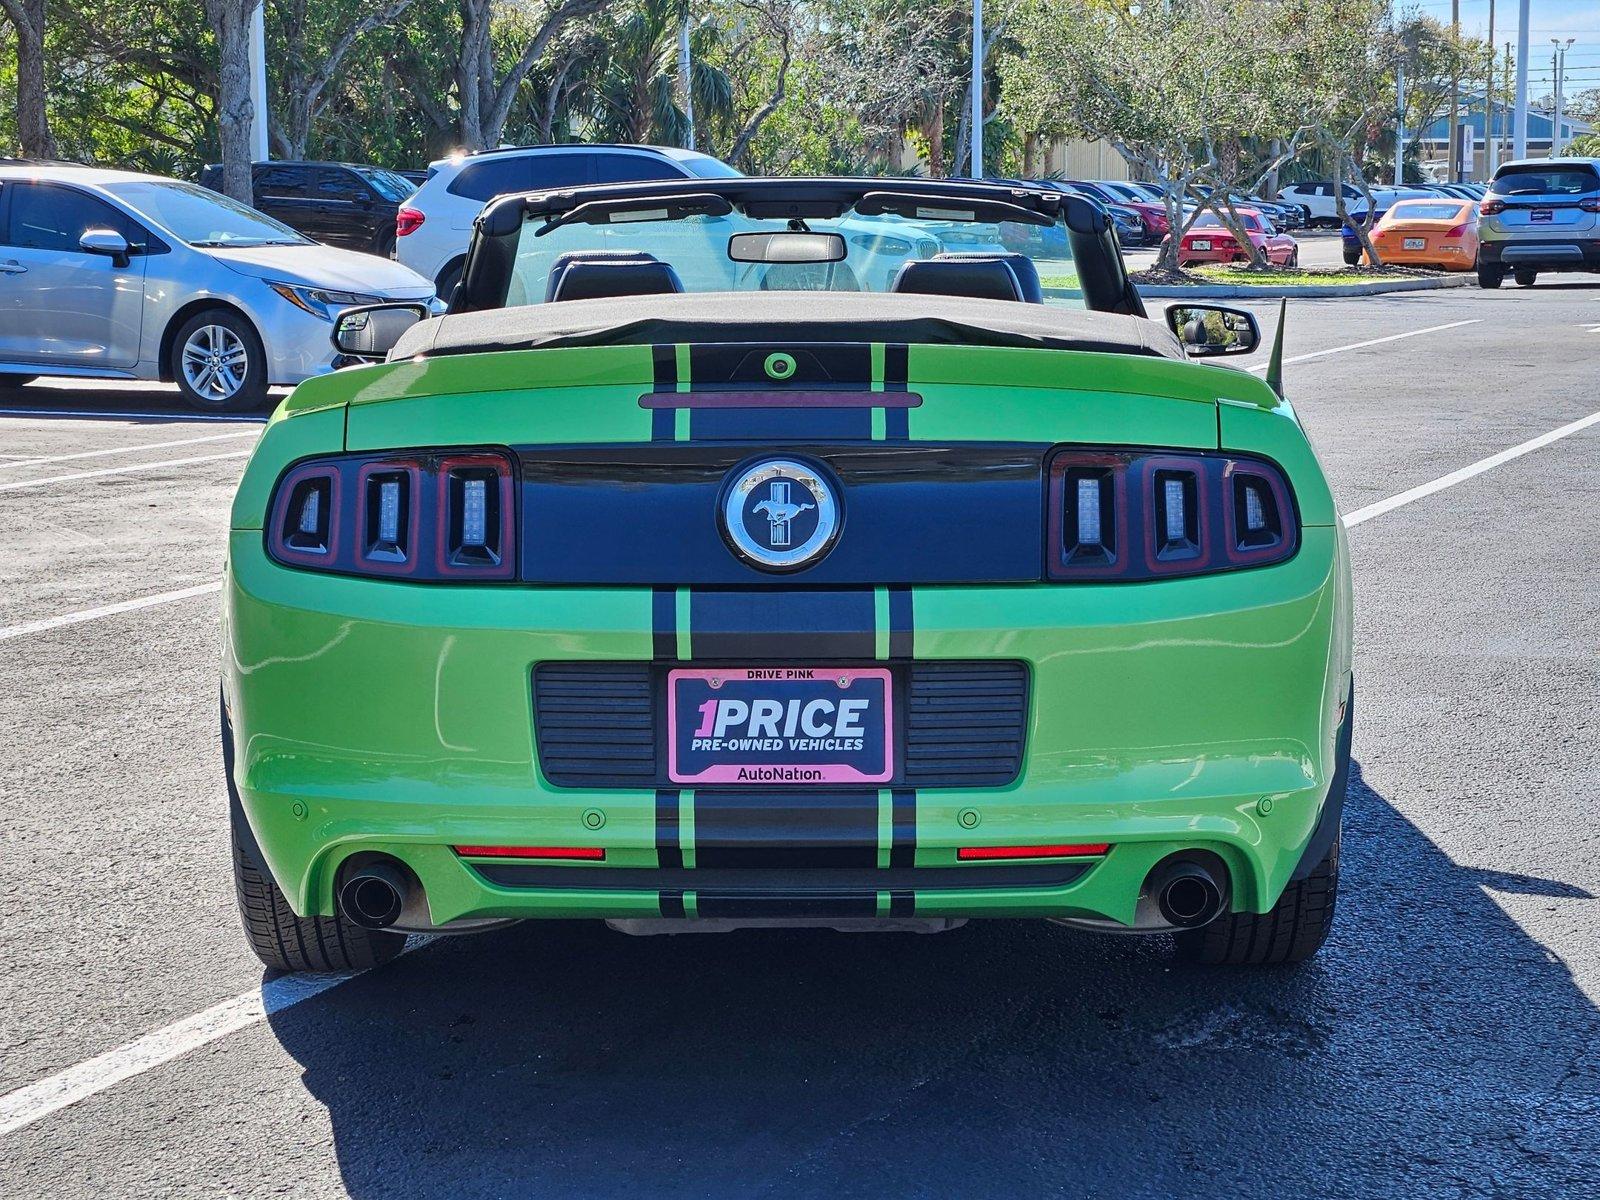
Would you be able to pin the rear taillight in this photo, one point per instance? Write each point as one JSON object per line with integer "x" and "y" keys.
{"x": 1590, "y": 204}
{"x": 1457, "y": 231}
{"x": 429, "y": 516}
{"x": 1489, "y": 207}
{"x": 407, "y": 220}
{"x": 1118, "y": 515}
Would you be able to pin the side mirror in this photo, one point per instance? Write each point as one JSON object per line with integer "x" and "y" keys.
{"x": 107, "y": 242}
{"x": 370, "y": 331}
{"x": 1207, "y": 330}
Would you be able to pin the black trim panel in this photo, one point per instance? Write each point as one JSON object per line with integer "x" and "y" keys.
{"x": 820, "y": 881}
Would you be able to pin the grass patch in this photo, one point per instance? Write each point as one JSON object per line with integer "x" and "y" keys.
{"x": 1242, "y": 276}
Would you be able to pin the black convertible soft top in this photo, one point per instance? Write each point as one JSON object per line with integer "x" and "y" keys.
{"x": 777, "y": 317}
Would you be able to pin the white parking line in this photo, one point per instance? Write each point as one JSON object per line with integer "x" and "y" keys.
{"x": 161, "y": 417}
{"x": 171, "y": 462}
{"x": 21, "y": 461}
{"x": 108, "y": 610}
{"x": 1465, "y": 473}
{"x": 1393, "y": 337}
{"x": 26, "y": 1105}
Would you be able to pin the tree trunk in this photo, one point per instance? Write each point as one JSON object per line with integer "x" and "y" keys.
{"x": 474, "y": 72}
{"x": 230, "y": 21}
{"x": 33, "y": 120}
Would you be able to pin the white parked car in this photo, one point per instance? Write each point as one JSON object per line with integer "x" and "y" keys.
{"x": 116, "y": 275}
{"x": 434, "y": 226}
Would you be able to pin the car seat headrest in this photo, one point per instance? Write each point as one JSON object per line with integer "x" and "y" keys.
{"x": 595, "y": 274}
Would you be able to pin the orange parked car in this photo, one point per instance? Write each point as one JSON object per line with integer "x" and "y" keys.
{"x": 1429, "y": 233}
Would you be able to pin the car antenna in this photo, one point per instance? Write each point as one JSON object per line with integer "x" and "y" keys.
{"x": 1275, "y": 363}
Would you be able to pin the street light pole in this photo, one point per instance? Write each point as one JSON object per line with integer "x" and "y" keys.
{"x": 1490, "y": 146}
{"x": 1454, "y": 174}
{"x": 1399, "y": 124}
{"x": 978, "y": 88}
{"x": 258, "y": 84}
{"x": 1560, "y": 57}
{"x": 1519, "y": 136}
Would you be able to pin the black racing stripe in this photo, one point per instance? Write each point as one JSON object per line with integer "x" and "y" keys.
{"x": 903, "y": 846}
{"x": 902, "y": 904}
{"x": 756, "y": 905}
{"x": 669, "y": 852}
{"x": 775, "y": 626}
{"x": 664, "y": 624}
{"x": 672, "y": 904}
{"x": 788, "y": 831}
{"x": 902, "y": 641}
{"x": 664, "y": 362}
{"x": 896, "y": 369}
{"x": 807, "y": 424}
{"x": 897, "y": 424}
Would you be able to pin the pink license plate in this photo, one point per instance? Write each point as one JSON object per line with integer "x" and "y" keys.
{"x": 780, "y": 725}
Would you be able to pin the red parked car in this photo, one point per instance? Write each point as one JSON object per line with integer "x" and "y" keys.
{"x": 1209, "y": 241}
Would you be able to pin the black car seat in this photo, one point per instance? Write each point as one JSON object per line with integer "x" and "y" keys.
{"x": 980, "y": 276}
{"x": 600, "y": 274}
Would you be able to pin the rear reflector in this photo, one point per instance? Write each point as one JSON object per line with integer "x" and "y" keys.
{"x": 590, "y": 853}
{"x": 1086, "y": 850}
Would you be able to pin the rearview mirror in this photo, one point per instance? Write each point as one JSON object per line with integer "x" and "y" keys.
{"x": 371, "y": 330}
{"x": 107, "y": 242}
{"x": 1207, "y": 330}
{"x": 786, "y": 247}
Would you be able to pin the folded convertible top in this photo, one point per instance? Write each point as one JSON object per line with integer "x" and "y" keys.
{"x": 768, "y": 317}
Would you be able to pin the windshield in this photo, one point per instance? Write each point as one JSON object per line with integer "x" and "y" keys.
{"x": 1535, "y": 180}
{"x": 386, "y": 183}
{"x": 876, "y": 247}
{"x": 201, "y": 217}
{"x": 1421, "y": 210}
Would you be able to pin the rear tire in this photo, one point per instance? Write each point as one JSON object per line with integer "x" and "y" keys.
{"x": 1491, "y": 275}
{"x": 1525, "y": 276}
{"x": 1294, "y": 258}
{"x": 445, "y": 285}
{"x": 1352, "y": 257}
{"x": 280, "y": 939}
{"x": 1292, "y": 931}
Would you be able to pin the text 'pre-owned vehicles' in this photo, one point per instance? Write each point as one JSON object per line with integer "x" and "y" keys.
{"x": 115, "y": 275}
{"x": 1540, "y": 214}
{"x": 691, "y": 573}
{"x": 338, "y": 204}
{"x": 435, "y": 225}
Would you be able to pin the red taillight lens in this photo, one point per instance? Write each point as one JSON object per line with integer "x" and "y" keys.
{"x": 1457, "y": 231}
{"x": 1590, "y": 204}
{"x": 1491, "y": 206}
{"x": 408, "y": 220}
{"x": 429, "y": 516}
{"x": 981, "y": 853}
{"x": 1127, "y": 515}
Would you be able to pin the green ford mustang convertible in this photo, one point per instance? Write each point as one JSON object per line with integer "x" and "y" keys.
{"x": 838, "y": 552}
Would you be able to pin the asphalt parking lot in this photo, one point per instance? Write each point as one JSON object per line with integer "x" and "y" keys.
{"x": 1446, "y": 1043}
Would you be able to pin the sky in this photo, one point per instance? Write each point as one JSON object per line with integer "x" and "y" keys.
{"x": 1579, "y": 19}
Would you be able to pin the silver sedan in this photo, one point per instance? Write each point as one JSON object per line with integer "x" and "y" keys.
{"x": 115, "y": 275}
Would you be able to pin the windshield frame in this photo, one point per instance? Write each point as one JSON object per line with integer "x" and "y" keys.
{"x": 1103, "y": 280}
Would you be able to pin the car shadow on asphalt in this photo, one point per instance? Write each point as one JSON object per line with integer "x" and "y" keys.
{"x": 1433, "y": 1049}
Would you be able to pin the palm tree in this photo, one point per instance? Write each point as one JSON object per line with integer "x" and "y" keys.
{"x": 634, "y": 91}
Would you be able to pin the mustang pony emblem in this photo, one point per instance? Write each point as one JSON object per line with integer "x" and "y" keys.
{"x": 780, "y": 511}
{"x": 780, "y": 514}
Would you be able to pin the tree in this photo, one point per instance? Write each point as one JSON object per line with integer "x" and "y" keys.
{"x": 33, "y": 122}
{"x": 312, "y": 38}
{"x": 487, "y": 94}
{"x": 230, "y": 21}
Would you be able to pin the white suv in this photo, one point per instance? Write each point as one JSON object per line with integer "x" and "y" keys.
{"x": 434, "y": 226}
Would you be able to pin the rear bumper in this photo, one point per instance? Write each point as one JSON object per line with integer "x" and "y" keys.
{"x": 1552, "y": 253}
{"x": 372, "y": 716}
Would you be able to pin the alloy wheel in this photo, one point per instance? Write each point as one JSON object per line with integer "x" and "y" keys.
{"x": 215, "y": 362}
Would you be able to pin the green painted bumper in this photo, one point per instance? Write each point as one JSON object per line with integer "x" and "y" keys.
{"x": 378, "y": 716}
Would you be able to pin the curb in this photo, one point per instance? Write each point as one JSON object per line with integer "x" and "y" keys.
{"x": 1303, "y": 292}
